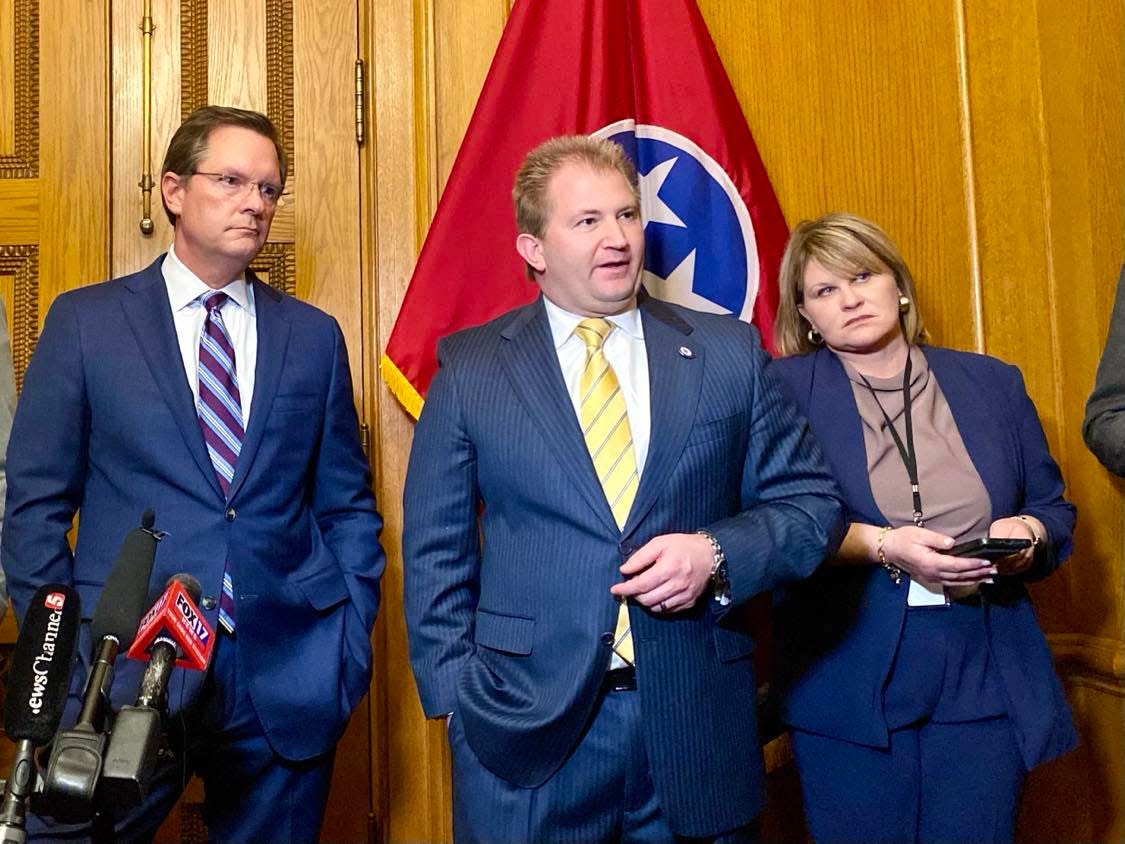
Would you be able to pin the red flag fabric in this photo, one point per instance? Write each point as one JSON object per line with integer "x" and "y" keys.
{"x": 646, "y": 74}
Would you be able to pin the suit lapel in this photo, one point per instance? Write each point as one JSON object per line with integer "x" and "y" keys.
{"x": 976, "y": 421}
{"x": 273, "y": 338}
{"x": 532, "y": 365}
{"x": 150, "y": 317}
{"x": 675, "y": 379}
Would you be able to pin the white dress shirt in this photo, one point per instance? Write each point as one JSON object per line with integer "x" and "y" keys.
{"x": 624, "y": 349}
{"x": 239, "y": 317}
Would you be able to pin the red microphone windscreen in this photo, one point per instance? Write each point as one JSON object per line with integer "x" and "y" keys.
{"x": 176, "y": 615}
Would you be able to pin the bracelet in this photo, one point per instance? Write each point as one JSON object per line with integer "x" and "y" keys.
{"x": 1035, "y": 538}
{"x": 719, "y": 580}
{"x": 894, "y": 571}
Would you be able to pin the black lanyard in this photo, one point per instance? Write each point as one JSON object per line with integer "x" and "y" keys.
{"x": 906, "y": 452}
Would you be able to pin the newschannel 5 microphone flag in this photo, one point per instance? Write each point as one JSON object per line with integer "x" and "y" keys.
{"x": 646, "y": 74}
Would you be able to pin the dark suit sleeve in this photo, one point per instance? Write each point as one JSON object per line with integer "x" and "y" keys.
{"x": 46, "y": 459}
{"x": 344, "y": 507}
{"x": 792, "y": 514}
{"x": 1104, "y": 426}
{"x": 1042, "y": 482}
{"x": 441, "y": 545}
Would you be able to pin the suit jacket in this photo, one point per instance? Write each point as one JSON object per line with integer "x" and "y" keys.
{"x": 107, "y": 426}
{"x": 838, "y": 632}
{"x": 1104, "y": 426}
{"x": 511, "y": 619}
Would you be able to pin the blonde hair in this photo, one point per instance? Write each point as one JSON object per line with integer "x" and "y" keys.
{"x": 534, "y": 176}
{"x": 842, "y": 243}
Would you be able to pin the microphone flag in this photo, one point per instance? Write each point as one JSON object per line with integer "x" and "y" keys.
{"x": 176, "y": 615}
{"x": 646, "y": 74}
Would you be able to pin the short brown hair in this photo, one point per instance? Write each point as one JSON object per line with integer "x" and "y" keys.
{"x": 843, "y": 243}
{"x": 189, "y": 143}
{"x": 532, "y": 179}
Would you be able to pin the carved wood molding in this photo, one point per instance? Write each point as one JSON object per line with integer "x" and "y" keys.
{"x": 23, "y": 161}
{"x": 279, "y": 65}
{"x": 193, "y": 56}
{"x": 22, "y": 261}
{"x": 278, "y": 261}
{"x": 279, "y": 71}
{"x": 1092, "y": 657}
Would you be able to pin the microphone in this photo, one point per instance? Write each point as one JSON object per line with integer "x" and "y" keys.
{"x": 173, "y": 626}
{"x": 76, "y": 759}
{"x": 175, "y": 620}
{"x": 37, "y": 688}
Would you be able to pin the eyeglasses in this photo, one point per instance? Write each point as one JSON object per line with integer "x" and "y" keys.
{"x": 236, "y": 186}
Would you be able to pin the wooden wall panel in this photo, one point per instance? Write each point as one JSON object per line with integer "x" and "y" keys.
{"x": 848, "y": 116}
{"x": 74, "y": 146}
{"x": 460, "y": 65}
{"x": 1080, "y": 797}
{"x": 429, "y": 59}
{"x": 236, "y": 52}
{"x": 411, "y": 792}
{"x": 1082, "y": 113}
{"x": 325, "y": 41}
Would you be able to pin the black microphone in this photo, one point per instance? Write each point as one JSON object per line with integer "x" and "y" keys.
{"x": 76, "y": 759}
{"x": 138, "y": 738}
{"x": 36, "y": 694}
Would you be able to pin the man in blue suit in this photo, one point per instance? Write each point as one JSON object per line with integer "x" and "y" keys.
{"x": 599, "y": 483}
{"x": 193, "y": 388}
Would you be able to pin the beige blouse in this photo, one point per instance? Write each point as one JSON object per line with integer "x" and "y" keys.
{"x": 954, "y": 499}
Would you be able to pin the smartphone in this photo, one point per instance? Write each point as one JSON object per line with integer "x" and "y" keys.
{"x": 988, "y": 547}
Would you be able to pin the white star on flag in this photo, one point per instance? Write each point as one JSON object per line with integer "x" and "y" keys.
{"x": 653, "y": 208}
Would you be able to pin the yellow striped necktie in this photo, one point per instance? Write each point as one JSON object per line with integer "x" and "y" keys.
{"x": 605, "y": 426}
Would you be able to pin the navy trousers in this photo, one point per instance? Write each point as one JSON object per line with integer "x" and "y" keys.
{"x": 935, "y": 783}
{"x": 251, "y": 794}
{"x": 602, "y": 793}
{"x": 952, "y": 771}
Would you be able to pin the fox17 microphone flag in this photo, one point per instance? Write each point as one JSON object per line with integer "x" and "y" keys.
{"x": 646, "y": 74}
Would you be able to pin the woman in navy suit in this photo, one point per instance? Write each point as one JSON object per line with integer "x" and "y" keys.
{"x": 917, "y": 684}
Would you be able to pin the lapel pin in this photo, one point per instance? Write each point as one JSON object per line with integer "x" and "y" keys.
{"x": 685, "y": 352}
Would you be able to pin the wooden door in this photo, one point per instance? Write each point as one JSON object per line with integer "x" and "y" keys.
{"x": 54, "y": 158}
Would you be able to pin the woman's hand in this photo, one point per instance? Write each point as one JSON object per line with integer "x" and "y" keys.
{"x": 916, "y": 550}
{"x": 1014, "y": 527}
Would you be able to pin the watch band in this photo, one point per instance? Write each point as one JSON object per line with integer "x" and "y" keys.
{"x": 719, "y": 580}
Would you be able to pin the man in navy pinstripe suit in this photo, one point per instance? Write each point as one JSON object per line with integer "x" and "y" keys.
{"x": 561, "y": 726}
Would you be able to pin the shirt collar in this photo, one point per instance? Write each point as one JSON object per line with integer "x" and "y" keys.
{"x": 563, "y": 323}
{"x": 185, "y": 287}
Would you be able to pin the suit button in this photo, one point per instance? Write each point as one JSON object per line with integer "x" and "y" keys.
{"x": 209, "y": 603}
{"x": 607, "y": 639}
{"x": 231, "y": 514}
{"x": 626, "y": 549}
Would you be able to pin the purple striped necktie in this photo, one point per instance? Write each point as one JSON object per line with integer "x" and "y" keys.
{"x": 220, "y": 415}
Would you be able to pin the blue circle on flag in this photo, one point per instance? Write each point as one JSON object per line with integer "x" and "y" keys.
{"x": 699, "y": 244}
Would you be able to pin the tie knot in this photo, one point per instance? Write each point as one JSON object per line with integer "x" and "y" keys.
{"x": 593, "y": 332}
{"x": 213, "y": 301}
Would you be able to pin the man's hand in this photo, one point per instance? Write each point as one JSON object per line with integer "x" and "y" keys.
{"x": 669, "y": 573}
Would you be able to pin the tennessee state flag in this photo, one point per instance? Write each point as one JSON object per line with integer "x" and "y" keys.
{"x": 646, "y": 74}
